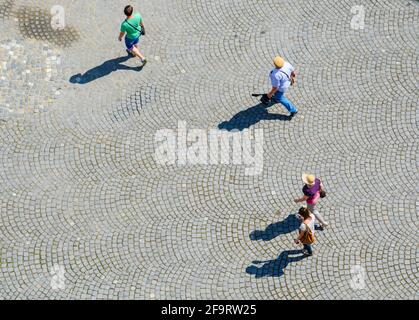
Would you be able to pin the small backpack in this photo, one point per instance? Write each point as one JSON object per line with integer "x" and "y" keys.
{"x": 308, "y": 236}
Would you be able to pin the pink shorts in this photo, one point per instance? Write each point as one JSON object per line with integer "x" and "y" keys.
{"x": 313, "y": 199}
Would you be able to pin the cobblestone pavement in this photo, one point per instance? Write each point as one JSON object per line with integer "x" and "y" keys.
{"x": 87, "y": 213}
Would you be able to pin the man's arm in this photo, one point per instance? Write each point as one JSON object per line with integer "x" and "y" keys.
{"x": 121, "y": 35}
{"x": 272, "y": 92}
{"x": 142, "y": 27}
{"x": 293, "y": 75}
{"x": 304, "y": 198}
{"x": 275, "y": 84}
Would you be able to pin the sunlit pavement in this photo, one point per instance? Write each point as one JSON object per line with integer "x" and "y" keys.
{"x": 88, "y": 213}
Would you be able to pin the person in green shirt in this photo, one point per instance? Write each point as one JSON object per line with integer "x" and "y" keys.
{"x": 132, "y": 27}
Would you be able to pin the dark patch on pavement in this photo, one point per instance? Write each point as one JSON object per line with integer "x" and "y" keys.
{"x": 35, "y": 23}
{"x": 6, "y": 7}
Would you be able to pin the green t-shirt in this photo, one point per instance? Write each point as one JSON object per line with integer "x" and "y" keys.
{"x": 131, "y": 32}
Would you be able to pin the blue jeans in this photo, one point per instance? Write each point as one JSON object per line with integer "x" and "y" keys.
{"x": 308, "y": 248}
{"x": 280, "y": 97}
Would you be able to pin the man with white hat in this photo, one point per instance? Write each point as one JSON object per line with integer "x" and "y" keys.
{"x": 312, "y": 191}
{"x": 282, "y": 76}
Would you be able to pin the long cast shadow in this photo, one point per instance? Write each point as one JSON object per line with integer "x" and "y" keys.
{"x": 102, "y": 70}
{"x": 275, "y": 268}
{"x": 288, "y": 225}
{"x": 246, "y": 118}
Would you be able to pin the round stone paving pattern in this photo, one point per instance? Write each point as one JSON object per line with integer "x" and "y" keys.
{"x": 80, "y": 187}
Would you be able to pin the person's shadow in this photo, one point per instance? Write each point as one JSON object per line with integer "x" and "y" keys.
{"x": 102, "y": 70}
{"x": 288, "y": 225}
{"x": 246, "y": 118}
{"x": 275, "y": 268}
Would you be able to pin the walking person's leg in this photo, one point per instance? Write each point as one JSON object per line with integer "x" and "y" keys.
{"x": 132, "y": 46}
{"x": 137, "y": 53}
{"x": 137, "y": 48}
{"x": 280, "y": 97}
{"x": 312, "y": 208}
{"x": 308, "y": 249}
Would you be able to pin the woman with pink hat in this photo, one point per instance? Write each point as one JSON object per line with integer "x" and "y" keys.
{"x": 312, "y": 189}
